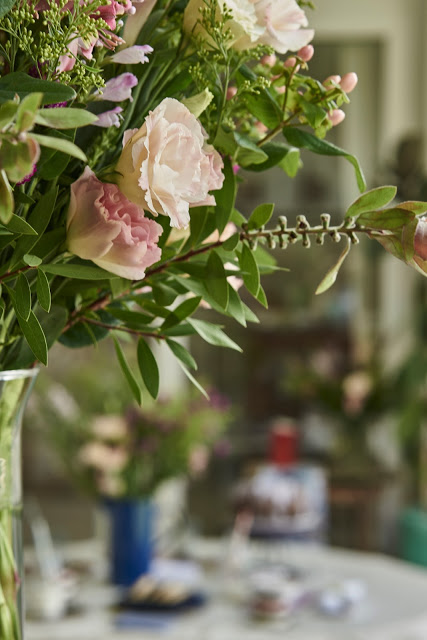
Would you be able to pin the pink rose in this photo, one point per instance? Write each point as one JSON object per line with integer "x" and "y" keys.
{"x": 103, "y": 226}
{"x": 167, "y": 166}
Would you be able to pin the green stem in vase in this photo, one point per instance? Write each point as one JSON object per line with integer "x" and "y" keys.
{"x": 12, "y": 396}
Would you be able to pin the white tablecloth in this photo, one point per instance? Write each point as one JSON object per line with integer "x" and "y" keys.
{"x": 394, "y": 607}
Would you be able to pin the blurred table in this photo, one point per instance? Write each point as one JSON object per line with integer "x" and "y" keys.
{"x": 395, "y": 606}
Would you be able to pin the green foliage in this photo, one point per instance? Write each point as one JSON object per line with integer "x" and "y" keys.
{"x": 257, "y": 116}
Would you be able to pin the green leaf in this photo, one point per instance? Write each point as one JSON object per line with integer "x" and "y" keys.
{"x": 225, "y": 142}
{"x": 132, "y": 319}
{"x": 331, "y": 276}
{"x": 306, "y": 140}
{"x": 389, "y": 219}
{"x": 260, "y": 216}
{"x": 65, "y": 118}
{"x": 148, "y": 368}
{"x": 22, "y": 84}
{"x": 315, "y": 115}
{"x": 7, "y": 113}
{"x": 78, "y": 336}
{"x": 231, "y": 243}
{"x": 38, "y": 220}
{"x": 19, "y": 225}
{"x": 213, "y": 334}
{"x": 53, "y": 163}
{"x": 276, "y": 152}
{"x": 163, "y": 295}
{"x": 261, "y": 297}
{"x": 131, "y": 380}
{"x": 250, "y": 271}
{"x": 22, "y": 198}
{"x": 60, "y": 144}
{"x": 119, "y": 286}
{"x": 78, "y": 271}
{"x": 35, "y": 337}
{"x": 247, "y": 152}
{"x": 43, "y": 290}
{"x": 27, "y": 110}
{"x": 370, "y": 200}
{"x": 181, "y": 312}
{"x": 22, "y": 297}
{"x": 392, "y": 244}
{"x": 182, "y": 354}
{"x": 408, "y": 235}
{"x": 198, "y": 219}
{"x": 6, "y": 198}
{"x": 225, "y": 197}
{"x": 412, "y": 205}
{"x": 235, "y": 306}
{"x": 291, "y": 163}
{"x": 32, "y": 261}
{"x": 216, "y": 281}
{"x": 262, "y": 105}
{"x": 6, "y": 6}
{"x": 193, "y": 380}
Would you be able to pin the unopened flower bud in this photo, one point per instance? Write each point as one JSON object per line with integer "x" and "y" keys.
{"x": 269, "y": 60}
{"x": 331, "y": 80}
{"x": 420, "y": 239}
{"x": 291, "y": 62}
{"x": 260, "y": 126}
{"x": 306, "y": 53}
{"x": 349, "y": 81}
{"x": 231, "y": 92}
{"x": 336, "y": 116}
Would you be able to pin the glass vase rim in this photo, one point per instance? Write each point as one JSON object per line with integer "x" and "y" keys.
{"x": 16, "y": 374}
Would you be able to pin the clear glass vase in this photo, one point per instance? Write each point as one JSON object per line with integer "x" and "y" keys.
{"x": 15, "y": 387}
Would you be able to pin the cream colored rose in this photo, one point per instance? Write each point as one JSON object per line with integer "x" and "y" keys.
{"x": 282, "y": 20}
{"x": 243, "y": 26}
{"x": 273, "y": 22}
{"x": 167, "y": 166}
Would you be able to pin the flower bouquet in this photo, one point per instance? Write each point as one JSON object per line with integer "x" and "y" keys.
{"x": 123, "y": 124}
{"x": 127, "y": 454}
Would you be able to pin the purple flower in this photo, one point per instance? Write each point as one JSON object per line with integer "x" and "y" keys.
{"x": 118, "y": 89}
{"x": 109, "y": 118}
{"x": 132, "y": 55}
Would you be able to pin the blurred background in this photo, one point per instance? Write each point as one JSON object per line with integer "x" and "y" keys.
{"x": 334, "y": 384}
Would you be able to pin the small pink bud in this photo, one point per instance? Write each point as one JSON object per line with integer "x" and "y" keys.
{"x": 269, "y": 61}
{"x": 236, "y": 169}
{"x": 331, "y": 80}
{"x": 260, "y": 126}
{"x": 291, "y": 62}
{"x": 336, "y": 116}
{"x": 306, "y": 53}
{"x": 349, "y": 81}
{"x": 420, "y": 239}
{"x": 280, "y": 90}
{"x": 231, "y": 92}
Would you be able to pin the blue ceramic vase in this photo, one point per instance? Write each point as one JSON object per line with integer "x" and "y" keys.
{"x": 132, "y": 543}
